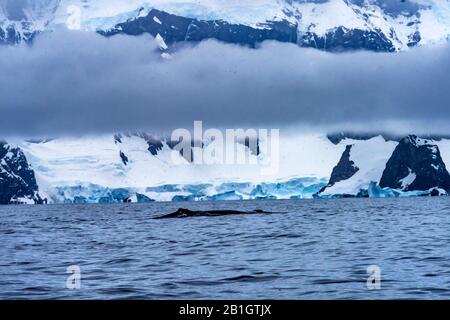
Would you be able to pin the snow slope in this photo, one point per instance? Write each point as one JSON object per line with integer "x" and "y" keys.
{"x": 109, "y": 12}
{"x": 434, "y": 23}
{"x": 370, "y": 156}
{"x": 444, "y": 148}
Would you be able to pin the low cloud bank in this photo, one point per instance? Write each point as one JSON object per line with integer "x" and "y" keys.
{"x": 71, "y": 82}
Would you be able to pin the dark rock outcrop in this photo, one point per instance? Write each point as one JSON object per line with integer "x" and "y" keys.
{"x": 343, "y": 39}
{"x": 124, "y": 158}
{"x": 154, "y": 144}
{"x": 414, "y": 39}
{"x": 415, "y": 165}
{"x": 10, "y": 36}
{"x": 17, "y": 178}
{"x": 173, "y": 29}
{"x": 344, "y": 170}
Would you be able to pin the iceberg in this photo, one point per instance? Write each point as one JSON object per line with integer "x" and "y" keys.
{"x": 375, "y": 191}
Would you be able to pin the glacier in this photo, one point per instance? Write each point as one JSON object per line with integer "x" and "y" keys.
{"x": 91, "y": 169}
{"x": 301, "y": 188}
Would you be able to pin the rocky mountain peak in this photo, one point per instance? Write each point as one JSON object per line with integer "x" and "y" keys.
{"x": 416, "y": 164}
{"x": 17, "y": 179}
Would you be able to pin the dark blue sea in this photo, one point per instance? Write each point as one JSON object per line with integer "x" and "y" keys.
{"x": 309, "y": 249}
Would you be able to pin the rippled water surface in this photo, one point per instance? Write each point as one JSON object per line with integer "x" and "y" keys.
{"x": 316, "y": 249}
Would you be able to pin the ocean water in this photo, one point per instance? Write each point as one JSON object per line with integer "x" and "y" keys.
{"x": 310, "y": 249}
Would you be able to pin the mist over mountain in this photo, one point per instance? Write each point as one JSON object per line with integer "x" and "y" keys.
{"x": 123, "y": 84}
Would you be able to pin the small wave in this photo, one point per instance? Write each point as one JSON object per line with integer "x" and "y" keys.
{"x": 336, "y": 281}
{"x": 119, "y": 291}
{"x": 120, "y": 261}
{"x": 200, "y": 282}
{"x": 250, "y": 278}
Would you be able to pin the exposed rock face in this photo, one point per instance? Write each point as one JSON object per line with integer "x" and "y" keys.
{"x": 172, "y": 28}
{"x": 416, "y": 164}
{"x": 345, "y": 168}
{"x": 17, "y": 180}
{"x": 10, "y": 36}
{"x": 154, "y": 145}
{"x": 342, "y": 39}
{"x": 124, "y": 158}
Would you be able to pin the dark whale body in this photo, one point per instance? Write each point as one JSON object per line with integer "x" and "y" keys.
{"x": 186, "y": 213}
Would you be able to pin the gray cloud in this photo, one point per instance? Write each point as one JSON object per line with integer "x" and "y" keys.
{"x": 76, "y": 82}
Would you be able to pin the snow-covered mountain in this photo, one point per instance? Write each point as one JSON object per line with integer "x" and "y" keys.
{"x": 377, "y": 167}
{"x": 17, "y": 179}
{"x": 416, "y": 164}
{"x": 334, "y": 25}
{"x": 140, "y": 168}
